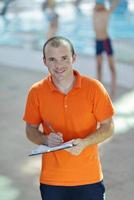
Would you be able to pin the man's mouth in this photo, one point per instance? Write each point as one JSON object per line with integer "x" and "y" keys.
{"x": 60, "y": 71}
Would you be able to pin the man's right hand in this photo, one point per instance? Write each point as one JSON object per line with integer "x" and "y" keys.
{"x": 38, "y": 137}
{"x": 54, "y": 139}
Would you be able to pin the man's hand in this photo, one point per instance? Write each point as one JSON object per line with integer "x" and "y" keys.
{"x": 54, "y": 139}
{"x": 78, "y": 147}
{"x": 37, "y": 137}
{"x": 104, "y": 132}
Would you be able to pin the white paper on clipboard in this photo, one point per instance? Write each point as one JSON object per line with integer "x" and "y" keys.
{"x": 45, "y": 149}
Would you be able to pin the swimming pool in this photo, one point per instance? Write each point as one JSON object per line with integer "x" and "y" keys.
{"x": 27, "y": 27}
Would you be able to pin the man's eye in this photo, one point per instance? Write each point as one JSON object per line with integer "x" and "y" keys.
{"x": 51, "y": 59}
{"x": 64, "y": 58}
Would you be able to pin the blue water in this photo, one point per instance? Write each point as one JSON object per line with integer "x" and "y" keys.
{"x": 29, "y": 27}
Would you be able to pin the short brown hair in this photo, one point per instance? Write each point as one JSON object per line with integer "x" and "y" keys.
{"x": 56, "y": 42}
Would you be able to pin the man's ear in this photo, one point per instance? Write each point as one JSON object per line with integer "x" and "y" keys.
{"x": 74, "y": 58}
{"x": 44, "y": 60}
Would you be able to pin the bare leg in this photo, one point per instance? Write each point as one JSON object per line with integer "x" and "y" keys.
{"x": 99, "y": 67}
{"x": 113, "y": 76}
{"x": 51, "y": 31}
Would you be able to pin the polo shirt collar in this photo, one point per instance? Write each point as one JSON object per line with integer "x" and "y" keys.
{"x": 76, "y": 85}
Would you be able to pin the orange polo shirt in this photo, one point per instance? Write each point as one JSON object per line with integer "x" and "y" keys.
{"x": 75, "y": 115}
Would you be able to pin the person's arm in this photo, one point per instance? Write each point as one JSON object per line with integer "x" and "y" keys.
{"x": 37, "y": 137}
{"x": 104, "y": 132}
{"x": 34, "y": 134}
{"x": 114, "y": 5}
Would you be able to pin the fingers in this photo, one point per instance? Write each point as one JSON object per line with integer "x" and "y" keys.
{"x": 60, "y": 135}
{"x": 74, "y": 151}
{"x": 56, "y": 136}
{"x": 76, "y": 141}
{"x": 54, "y": 139}
{"x": 77, "y": 148}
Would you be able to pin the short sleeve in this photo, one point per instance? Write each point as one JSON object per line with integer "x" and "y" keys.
{"x": 32, "y": 113}
{"x": 102, "y": 105}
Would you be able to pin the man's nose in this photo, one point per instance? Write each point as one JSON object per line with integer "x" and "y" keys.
{"x": 58, "y": 64}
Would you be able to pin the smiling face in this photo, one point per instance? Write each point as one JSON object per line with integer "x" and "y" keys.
{"x": 59, "y": 60}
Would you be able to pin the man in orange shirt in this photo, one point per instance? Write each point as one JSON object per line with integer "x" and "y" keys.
{"x": 73, "y": 106}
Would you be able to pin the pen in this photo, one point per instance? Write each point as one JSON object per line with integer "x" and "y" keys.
{"x": 51, "y": 129}
{"x": 49, "y": 126}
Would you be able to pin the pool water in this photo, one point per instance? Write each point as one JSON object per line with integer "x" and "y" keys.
{"x": 28, "y": 27}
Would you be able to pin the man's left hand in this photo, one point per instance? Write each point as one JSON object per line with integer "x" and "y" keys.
{"x": 78, "y": 147}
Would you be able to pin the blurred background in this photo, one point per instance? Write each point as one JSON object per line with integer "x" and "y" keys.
{"x": 25, "y": 23}
{"x": 24, "y": 27}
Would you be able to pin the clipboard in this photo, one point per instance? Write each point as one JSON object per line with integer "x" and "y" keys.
{"x": 45, "y": 149}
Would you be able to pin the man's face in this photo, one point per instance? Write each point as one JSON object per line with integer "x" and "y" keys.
{"x": 59, "y": 61}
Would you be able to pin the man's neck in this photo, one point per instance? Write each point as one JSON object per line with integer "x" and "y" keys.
{"x": 65, "y": 85}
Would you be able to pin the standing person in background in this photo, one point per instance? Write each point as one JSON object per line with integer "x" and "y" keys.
{"x": 52, "y": 17}
{"x": 5, "y": 7}
{"x": 101, "y": 17}
{"x": 77, "y": 3}
{"x": 78, "y": 108}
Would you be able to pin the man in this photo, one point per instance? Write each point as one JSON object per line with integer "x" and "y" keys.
{"x": 68, "y": 106}
{"x": 103, "y": 43}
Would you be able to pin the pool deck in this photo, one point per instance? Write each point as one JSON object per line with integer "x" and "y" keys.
{"x": 18, "y": 172}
